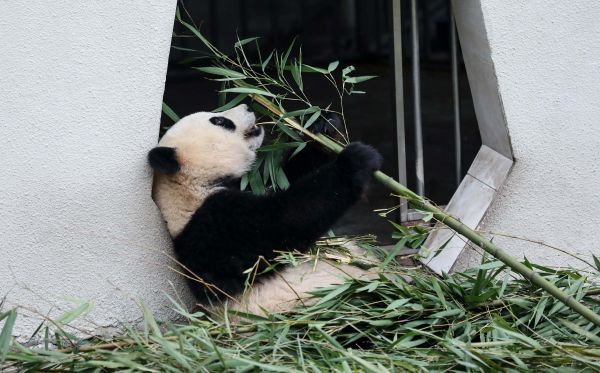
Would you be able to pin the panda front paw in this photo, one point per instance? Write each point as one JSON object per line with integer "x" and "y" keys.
{"x": 329, "y": 124}
{"x": 358, "y": 162}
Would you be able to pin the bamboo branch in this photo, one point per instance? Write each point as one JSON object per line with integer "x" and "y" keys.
{"x": 415, "y": 199}
{"x": 443, "y": 217}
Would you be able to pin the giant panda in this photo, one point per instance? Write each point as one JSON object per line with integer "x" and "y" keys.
{"x": 219, "y": 231}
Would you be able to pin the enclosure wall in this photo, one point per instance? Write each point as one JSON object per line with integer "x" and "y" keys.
{"x": 547, "y": 59}
{"x": 81, "y": 85}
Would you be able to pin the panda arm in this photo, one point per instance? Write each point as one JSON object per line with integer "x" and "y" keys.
{"x": 309, "y": 159}
{"x": 314, "y": 155}
{"x": 233, "y": 228}
{"x": 295, "y": 218}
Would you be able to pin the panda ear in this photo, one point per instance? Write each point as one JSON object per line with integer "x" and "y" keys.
{"x": 162, "y": 159}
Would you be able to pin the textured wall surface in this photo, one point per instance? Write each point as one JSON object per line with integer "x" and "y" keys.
{"x": 547, "y": 58}
{"x": 81, "y": 85}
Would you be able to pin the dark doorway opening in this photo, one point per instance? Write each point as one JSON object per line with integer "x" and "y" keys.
{"x": 358, "y": 33}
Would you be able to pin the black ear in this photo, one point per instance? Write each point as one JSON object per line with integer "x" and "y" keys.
{"x": 162, "y": 159}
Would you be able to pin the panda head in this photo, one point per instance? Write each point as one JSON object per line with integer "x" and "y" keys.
{"x": 196, "y": 154}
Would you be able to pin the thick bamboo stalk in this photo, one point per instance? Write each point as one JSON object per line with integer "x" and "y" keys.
{"x": 448, "y": 220}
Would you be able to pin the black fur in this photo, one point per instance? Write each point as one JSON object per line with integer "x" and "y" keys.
{"x": 223, "y": 122}
{"x": 163, "y": 159}
{"x": 232, "y": 229}
{"x": 329, "y": 123}
{"x": 315, "y": 154}
{"x": 253, "y": 132}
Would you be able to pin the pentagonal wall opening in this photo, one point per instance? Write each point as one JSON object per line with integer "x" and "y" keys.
{"x": 377, "y": 38}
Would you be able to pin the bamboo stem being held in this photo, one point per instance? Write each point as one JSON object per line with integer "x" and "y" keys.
{"x": 445, "y": 218}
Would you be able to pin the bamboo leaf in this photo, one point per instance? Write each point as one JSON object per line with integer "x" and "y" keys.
{"x": 278, "y": 146}
{"x": 312, "y": 69}
{"x": 169, "y": 112}
{"x": 241, "y": 43}
{"x": 313, "y": 118}
{"x": 286, "y": 55}
{"x": 76, "y": 312}
{"x": 221, "y": 71}
{"x": 234, "y": 102}
{"x": 332, "y": 66}
{"x": 358, "y": 79}
{"x": 247, "y": 90}
{"x": 256, "y": 183}
{"x": 288, "y": 131}
{"x": 266, "y": 62}
{"x": 596, "y": 262}
{"x": 6, "y": 335}
{"x": 579, "y": 330}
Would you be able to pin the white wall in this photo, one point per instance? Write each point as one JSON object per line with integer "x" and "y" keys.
{"x": 81, "y": 85}
{"x": 547, "y": 59}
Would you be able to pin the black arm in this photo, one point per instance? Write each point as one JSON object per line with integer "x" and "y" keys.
{"x": 232, "y": 228}
{"x": 314, "y": 155}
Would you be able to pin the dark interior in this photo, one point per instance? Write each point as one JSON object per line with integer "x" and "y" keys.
{"x": 358, "y": 33}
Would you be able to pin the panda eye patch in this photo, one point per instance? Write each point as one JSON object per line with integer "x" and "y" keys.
{"x": 223, "y": 122}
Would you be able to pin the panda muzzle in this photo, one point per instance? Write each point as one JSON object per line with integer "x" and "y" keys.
{"x": 253, "y": 131}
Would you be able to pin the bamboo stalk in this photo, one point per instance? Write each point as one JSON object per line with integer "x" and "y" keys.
{"x": 445, "y": 218}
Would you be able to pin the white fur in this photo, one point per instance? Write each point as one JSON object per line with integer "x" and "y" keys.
{"x": 291, "y": 287}
{"x": 205, "y": 153}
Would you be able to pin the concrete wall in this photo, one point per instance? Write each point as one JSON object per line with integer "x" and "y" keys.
{"x": 547, "y": 59}
{"x": 81, "y": 85}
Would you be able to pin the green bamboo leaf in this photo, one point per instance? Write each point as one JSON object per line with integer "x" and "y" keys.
{"x": 298, "y": 149}
{"x": 313, "y": 118}
{"x": 6, "y": 335}
{"x": 369, "y": 288}
{"x": 597, "y": 262}
{"x": 297, "y": 75}
{"x": 244, "y": 182}
{"x": 250, "y": 91}
{"x": 396, "y": 304}
{"x": 234, "y": 102}
{"x": 288, "y": 131}
{"x": 394, "y": 251}
{"x": 286, "y": 55}
{"x": 76, "y": 312}
{"x": 332, "y": 66}
{"x": 381, "y": 322}
{"x": 538, "y": 311}
{"x": 312, "y": 69}
{"x": 348, "y": 70}
{"x": 438, "y": 291}
{"x": 221, "y": 71}
{"x": 358, "y": 79}
{"x": 266, "y": 62}
{"x": 150, "y": 322}
{"x": 169, "y": 112}
{"x": 241, "y": 43}
{"x": 489, "y": 265}
{"x": 334, "y": 294}
{"x": 200, "y": 36}
{"x": 256, "y": 183}
{"x": 579, "y": 330}
{"x": 278, "y": 146}
{"x": 301, "y": 113}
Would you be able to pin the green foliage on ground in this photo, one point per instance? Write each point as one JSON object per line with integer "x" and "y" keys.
{"x": 406, "y": 319}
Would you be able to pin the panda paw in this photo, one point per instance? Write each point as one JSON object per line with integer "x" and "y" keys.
{"x": 358, "y": 162}
{"x": 329, "y": 124}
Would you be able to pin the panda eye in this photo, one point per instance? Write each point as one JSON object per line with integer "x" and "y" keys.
{"x": 223, "y": 122}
